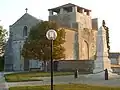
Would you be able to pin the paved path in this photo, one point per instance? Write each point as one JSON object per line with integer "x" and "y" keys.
{"x": 69, "y": 79}
{"x": 3, "y": 84}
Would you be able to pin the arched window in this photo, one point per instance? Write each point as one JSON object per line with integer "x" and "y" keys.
{"x": 25, "y": 31}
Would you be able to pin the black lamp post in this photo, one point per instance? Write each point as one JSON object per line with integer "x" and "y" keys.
{"x": 51, "y": 35}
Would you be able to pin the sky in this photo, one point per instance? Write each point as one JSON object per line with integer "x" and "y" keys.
{"x": 108, "y": 10}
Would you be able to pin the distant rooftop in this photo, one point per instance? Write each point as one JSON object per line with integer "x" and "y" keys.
{"x": 68, "y": 5}
{"x": 114, "y": 54}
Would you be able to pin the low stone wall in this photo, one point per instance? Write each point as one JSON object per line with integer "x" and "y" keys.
{"x": 83, "y": 66}
{"x": 116, "y": 70}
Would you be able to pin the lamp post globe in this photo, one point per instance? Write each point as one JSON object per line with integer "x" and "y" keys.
{"x": 51, "y": 35}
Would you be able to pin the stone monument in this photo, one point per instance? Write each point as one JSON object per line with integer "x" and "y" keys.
{"x": 102, "y": 61}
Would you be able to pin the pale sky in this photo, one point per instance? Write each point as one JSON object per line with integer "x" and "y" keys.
{"x": 11, "y": 10}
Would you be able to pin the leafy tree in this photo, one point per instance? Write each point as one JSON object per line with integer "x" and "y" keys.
{"x": 3, "y": 34}
{"x": 37, "y": 46}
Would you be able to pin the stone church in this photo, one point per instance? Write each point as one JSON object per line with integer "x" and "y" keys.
{"x": 80, "y": 37}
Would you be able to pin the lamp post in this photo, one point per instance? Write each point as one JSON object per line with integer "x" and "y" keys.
{"x": 51, "y": 35}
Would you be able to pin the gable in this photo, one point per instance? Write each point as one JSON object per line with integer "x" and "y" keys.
{"x": 17, "y": 28}
{"x": 26, "y": 17}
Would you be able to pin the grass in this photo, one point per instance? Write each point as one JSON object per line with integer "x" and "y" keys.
{"x": 29, "y": 76}
{"x": 65, "y": 87}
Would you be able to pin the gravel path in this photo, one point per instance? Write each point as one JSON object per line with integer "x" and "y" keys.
{"x": 69, "y": 79}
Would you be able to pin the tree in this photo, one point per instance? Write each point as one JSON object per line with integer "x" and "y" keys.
{"x": 37, "y": 46}
{"x": 3, "y": 34}
{"x": 1, "y": 63}
{"x": 107, "y": 35}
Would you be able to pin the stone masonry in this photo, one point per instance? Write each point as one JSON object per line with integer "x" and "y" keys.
{"x": 80, "y": 38}
{"x": 77, "y": 18}
{"x": 13, "y": 59}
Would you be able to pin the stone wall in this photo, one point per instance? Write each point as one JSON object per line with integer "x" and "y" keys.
{"x": 86, "y": 40}
{"x": 85, "y": 20}
{"x": 87, "y": 43}
{"x": 17, "y": 28}
{"x": 64, "y": 20}
{"x": 119, "y": 60}
{"x": 116, "y": 70}
{"x": 95, "y": 24}
{"x": 83, "y": 66}
{"x": 69, "y": 44}
{"x": 114, "y": 61}
{"x": 17, "y": 41}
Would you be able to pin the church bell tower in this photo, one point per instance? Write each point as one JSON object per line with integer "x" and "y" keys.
{"x": 78, "y": 19}
{"x": 71, "y": 16}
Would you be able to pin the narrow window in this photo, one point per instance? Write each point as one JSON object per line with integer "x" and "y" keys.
{"x": 25, "y": 31}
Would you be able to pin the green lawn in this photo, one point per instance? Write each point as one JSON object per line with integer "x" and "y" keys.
{"x": 66, "y": 87}
{"x": 29, "y": 76}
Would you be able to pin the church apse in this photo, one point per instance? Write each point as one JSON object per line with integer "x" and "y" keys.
{"x": 78, "y": 18}
{"x": 87, "y": 44}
